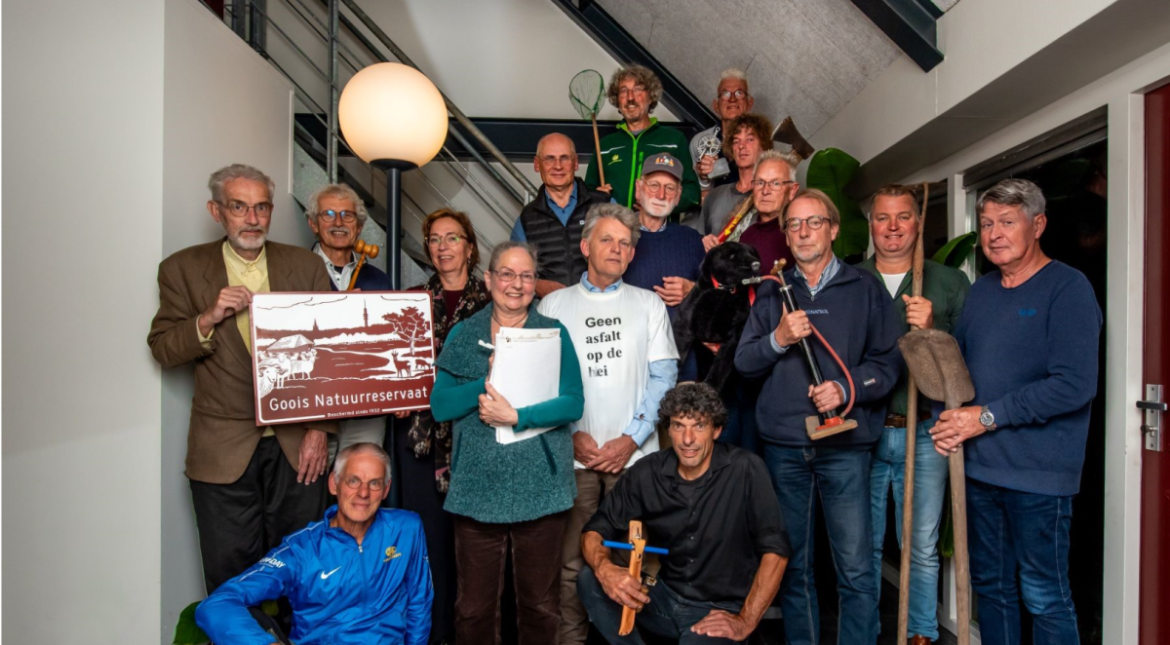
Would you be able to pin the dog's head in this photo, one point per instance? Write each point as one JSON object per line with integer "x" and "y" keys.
{"x": 729, "y": 264}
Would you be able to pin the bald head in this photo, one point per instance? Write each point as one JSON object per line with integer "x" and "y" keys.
{"x": 556, "y": 161}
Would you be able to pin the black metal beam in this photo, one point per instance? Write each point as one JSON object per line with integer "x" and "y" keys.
{"x": 516, "y": 138}
{"x": 612, "y": 37}
{"x": 910, "y": 24}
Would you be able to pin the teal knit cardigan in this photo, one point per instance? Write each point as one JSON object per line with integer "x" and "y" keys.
{"x": 517, "y": 482}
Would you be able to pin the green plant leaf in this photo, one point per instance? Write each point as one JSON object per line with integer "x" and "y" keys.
{"x": 956, "y": 251}
{"x": 186, "y": 631}
{"x": 830, "y": 170}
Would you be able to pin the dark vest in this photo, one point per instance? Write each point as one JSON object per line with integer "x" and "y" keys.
{"x": 559, "y": 245}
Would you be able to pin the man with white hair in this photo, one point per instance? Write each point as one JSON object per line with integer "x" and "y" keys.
{"x": 250, "y": 485}
{"x": 628, "y": 362}
{"x": 732, "y": 99}
{"x": 669, "y": 256}
{"x": 1029, "y": 332}
{"x": 360, "y": 575}
{"x": 635, "y": 92}
{"x": 337, "y": 216}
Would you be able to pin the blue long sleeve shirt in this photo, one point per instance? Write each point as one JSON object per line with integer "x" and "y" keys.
{"x": 1032, "y": 354}
{"x": 378, "y": 592}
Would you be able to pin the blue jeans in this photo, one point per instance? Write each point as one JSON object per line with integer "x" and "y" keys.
{"x": 1009, "y": 530}
{"x": 930, "y": 478}
{"x": 841, "y": 479}
{"x": 667, "y": 614}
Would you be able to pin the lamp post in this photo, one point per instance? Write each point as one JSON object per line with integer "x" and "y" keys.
{"x": 395, "y": 119}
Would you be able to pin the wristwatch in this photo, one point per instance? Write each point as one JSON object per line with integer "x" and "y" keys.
{"x": 987, "y": 419}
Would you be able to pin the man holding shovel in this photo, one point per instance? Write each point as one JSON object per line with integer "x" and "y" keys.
{"x": 895, "y": 226}
{"x": 1029, "y": 333}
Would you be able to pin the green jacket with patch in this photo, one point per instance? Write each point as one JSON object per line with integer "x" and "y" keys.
{"x": 946, "y": 289}
{"x": 623, "y": 154}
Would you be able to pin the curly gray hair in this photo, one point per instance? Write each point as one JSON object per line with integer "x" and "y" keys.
{"x": 1014, "y": 192}
{"x": 641, "y": 76}
{"x": 340, "y": 191}
{"x": 697, "y": 401}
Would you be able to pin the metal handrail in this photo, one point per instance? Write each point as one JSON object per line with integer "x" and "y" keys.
{"x": 338, "y": 49}
{"x": 454, "y": 109}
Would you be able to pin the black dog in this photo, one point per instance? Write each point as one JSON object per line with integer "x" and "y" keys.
{"x": 717, "y": 309}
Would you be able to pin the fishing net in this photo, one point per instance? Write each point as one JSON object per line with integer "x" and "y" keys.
{"x": 585, "y": 93}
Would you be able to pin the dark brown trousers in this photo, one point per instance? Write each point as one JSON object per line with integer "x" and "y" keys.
{"x": 480, "y": 553}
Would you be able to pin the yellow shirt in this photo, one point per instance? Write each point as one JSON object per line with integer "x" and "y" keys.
{"x": 253, "y": 275}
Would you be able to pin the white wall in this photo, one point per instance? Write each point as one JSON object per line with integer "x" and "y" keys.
{"x": 222, "y": 104}
{"x": 1122, "y": 92}
{"x": 83, "y": 189}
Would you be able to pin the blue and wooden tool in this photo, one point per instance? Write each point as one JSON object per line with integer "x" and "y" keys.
{"x": 637, "y": 544}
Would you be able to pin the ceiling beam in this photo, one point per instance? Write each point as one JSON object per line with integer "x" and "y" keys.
{"x": 910, "y": 24}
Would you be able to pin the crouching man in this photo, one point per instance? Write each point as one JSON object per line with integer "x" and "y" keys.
{"x": 359, "y": 576}
{"x": 712, "y": 506}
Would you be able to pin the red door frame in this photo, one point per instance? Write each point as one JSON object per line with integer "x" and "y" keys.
{"x": 1154, "y": 622}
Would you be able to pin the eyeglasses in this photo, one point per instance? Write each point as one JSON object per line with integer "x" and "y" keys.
{"x": 655, "y": 187}
{"x": 331, "y": 215}
{"x": 637, "y": 89}
{"x": 726, "y": 94}
{"x": 240, "y": 209}
{"x": 563, "y": 160}
{"x": 451, "y": 239}
{"x": 775, "y": 184}
{"x": 508, "y": 275}
{"x": 814, "y": 223}
{"x": 355, "y": 483}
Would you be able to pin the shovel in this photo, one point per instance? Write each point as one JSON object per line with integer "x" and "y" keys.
{"x": 937, "y": 366}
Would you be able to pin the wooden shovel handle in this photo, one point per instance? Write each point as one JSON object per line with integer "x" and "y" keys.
{"x": 961, "y": 559}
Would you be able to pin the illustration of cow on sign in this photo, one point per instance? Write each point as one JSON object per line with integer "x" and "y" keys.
{"x": 411, "y": 326}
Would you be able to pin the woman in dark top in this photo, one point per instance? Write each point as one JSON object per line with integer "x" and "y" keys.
{"x": 423, "y": 445}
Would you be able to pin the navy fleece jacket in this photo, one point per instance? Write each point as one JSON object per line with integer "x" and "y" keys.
{"x": 1032, "y": 354}
{"x": 855, "y": 314}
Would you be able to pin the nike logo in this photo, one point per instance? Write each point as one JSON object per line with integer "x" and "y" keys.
{"x": 326, "y": 575}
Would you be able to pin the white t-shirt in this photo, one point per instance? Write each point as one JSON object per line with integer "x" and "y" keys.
{"x": 617, "y": 335}
{"x": 893, "y": 281}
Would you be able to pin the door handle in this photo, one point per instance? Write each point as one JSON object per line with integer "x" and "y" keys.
{"x": 1152, "y": 408}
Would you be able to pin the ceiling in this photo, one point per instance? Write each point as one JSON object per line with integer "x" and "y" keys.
{"x": 804, "y": 58}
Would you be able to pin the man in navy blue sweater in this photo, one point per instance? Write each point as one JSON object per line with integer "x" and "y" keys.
{"x": 855, "y": 314}
{"x": 1029, "y": 333}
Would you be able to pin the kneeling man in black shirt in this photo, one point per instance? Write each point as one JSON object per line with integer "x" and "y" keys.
{"x": 712, "y": 505}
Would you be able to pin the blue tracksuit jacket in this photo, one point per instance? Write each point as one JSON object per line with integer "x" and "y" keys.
{"x": 341, "y": 593}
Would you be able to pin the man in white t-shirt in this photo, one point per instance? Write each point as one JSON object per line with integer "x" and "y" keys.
{"x": 628, "y": 362}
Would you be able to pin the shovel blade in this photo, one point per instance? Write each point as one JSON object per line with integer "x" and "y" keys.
{"x": 937, "y": 366}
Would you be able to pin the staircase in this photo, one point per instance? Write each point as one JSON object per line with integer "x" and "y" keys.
{"x": 318, "y": 45}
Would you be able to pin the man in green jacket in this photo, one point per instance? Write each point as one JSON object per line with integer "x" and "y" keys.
{"x": 635, "y": 92}
{"x": 895, "y": 226}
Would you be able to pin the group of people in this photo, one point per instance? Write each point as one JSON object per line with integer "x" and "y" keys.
{"x": 635, "y": 434}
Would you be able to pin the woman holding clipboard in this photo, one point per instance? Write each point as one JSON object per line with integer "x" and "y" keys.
{"x": 507, "y": 492}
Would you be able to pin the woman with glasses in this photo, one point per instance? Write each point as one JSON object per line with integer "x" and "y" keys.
{"x": 514, "y": 495}
{"x": 423, "y": 446}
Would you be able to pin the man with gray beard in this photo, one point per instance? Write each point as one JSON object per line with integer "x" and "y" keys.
{"x": 668, "y": 255}
{"x": 250, "y": 485}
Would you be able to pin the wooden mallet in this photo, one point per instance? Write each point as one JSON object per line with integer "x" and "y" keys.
{"x": 363, "y": 250}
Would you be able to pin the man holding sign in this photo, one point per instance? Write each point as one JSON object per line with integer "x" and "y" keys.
{"x": 628, "y": 361}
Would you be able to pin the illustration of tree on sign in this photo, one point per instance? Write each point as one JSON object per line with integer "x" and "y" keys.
{"x": 409, "y": 324}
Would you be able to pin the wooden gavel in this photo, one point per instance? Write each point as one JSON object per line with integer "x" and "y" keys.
{"x": 363, "y": 250}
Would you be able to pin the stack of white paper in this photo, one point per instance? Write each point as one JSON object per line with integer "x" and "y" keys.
{"x": 526, "y": 370}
